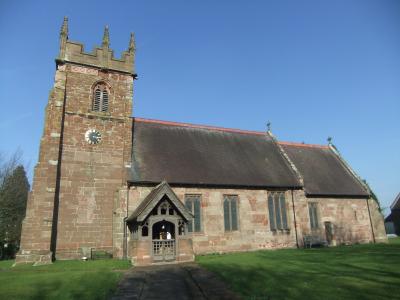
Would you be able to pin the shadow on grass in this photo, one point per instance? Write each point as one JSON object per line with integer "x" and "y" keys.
{"x": 62, "y": 280}
{"x": 77, "y": 286}
{"x": 357, "y": 272}
{"x": 44, "y": 289}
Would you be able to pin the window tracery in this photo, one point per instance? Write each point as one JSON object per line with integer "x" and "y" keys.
{"x": 100, "y": 97}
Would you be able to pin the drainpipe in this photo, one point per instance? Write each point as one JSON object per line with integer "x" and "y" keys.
{"x": 295, "y": 223}
{"x": 370, "y": 221}
{"x": 125, "y": 242}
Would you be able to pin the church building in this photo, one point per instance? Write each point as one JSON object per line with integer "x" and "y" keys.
{"x": 155, "y": 191}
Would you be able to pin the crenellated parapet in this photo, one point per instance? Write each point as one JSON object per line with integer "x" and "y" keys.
{"x": 101, "y": 57}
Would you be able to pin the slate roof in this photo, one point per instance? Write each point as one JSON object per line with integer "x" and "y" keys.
{"x": 201, "y": 155}
{"x": 145, "y": 203}
{"x": 396, "y": 203}
{"x": 323, "y": 171}
{"x": 389, "y": 218}
{"x": 153, "y": 198}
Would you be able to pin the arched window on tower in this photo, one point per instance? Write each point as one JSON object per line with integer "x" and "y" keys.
{"x": 100, "y": 98}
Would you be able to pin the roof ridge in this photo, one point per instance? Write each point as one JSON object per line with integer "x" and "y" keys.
{"x": 303, "y": 145}
{"x": 225, "y": 129}
{"x": 190, "y": 125}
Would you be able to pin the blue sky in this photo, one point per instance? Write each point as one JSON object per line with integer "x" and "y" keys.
{"x": 313, "y": 68}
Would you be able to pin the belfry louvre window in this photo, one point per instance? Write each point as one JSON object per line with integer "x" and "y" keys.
{"x": 231, "y": 212}
{"x": 277, "y": 211}
{"x": 313, "y": 212}
{"x": 100, "y": 98}
{"x": 193, "y": 204}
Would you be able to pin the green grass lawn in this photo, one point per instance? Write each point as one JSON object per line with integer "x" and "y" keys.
{"x": 346, "y": 272}
{"x": 61, "y": 280}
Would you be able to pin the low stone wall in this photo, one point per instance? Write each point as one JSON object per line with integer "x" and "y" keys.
{"x": 38, "y": 257}
{"x": 140, "y": 252}
{"x": 184, "y": 250}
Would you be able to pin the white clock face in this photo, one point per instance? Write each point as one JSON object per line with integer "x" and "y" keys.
{"x": 93, "y": 137}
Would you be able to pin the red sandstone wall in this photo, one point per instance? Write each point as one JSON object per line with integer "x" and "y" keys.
{"x": 91, "y": 175}
{"x": 349, "y": 217}
{"x": 377, "y": 222}
{"x": 254, "y": 229}
{"x": 37, "y": 225}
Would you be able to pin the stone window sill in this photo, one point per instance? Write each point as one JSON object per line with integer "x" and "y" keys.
{"x": 281, "y": 231}
{"x": 196, "y": 233}
{"x": 100, "y": 113}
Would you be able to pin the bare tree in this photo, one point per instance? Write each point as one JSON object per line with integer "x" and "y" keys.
{"x": 8, "y": 164}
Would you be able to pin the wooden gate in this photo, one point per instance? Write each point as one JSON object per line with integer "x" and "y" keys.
{"x": 163, "y": 250}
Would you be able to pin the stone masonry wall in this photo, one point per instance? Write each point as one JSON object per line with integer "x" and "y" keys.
{"x": 37, "y": 225}
{"x": 378, "y": 222}
{"x": 92, "y": 175}
{"x": 349, "y": 217}
{"x": 254, "y": 231}
{"x": 119, "y": 213}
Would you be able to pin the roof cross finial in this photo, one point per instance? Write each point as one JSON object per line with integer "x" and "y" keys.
{"x": 269, "y": 126}
{"x": 106, "y": 37}
{"x": 132, "y": 45}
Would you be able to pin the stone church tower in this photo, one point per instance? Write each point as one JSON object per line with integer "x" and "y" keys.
{"x": 85, "y": 152}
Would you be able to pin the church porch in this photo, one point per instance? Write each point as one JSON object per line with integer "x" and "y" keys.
{"x": 158, "y": 229}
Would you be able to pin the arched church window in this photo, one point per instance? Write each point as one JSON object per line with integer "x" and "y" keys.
{"x": 100, "y": 98}
{"x": 181, "y": 227}
{"x": 145, "y": 229}
{"x": 171, "y": 211}
{"x": 164, "y": 207}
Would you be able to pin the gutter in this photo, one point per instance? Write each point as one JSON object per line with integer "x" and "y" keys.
{"x": 125, "y": 242}
{"x": 295, "y": 223}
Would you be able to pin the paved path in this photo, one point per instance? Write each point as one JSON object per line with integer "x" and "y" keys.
{"x": 175, "y": 281}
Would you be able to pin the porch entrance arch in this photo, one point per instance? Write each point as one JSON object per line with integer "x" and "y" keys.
{"x": 163, "y": 230}
{"x": 163, "y": 242}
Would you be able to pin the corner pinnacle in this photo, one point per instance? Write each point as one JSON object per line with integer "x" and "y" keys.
{"x": 132, "y": 45}
{"x": 106, "y": 37}
{"x": 64, "y": 28}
